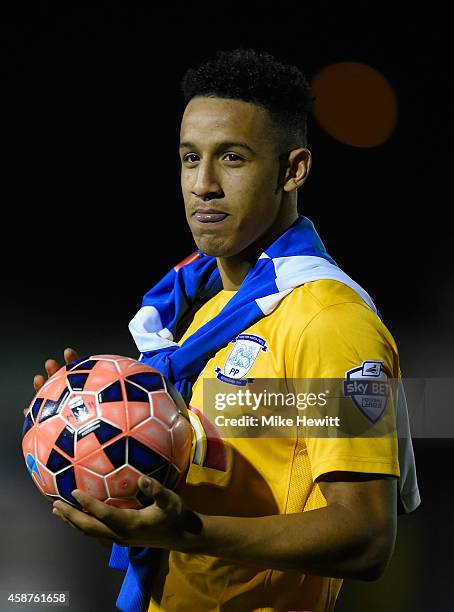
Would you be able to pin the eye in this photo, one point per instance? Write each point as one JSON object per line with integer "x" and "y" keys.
{"x": 233, "y": 157}
{"x": 190, "y": 158}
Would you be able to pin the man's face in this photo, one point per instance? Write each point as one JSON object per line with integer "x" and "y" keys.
{"x": 230, "y": 166}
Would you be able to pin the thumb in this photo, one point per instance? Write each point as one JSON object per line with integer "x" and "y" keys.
{"x": 154, "y": 489}
{"x": 171, "y": 503}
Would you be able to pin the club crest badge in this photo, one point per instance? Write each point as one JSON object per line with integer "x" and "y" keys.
{"x": 368, "y": 387}
{"x": 241, "y": 359}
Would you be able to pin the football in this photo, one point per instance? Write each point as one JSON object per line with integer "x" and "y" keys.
{"x": 98, "y": 424}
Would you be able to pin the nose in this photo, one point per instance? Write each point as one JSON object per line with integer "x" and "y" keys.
{"x": 206, "y": 185}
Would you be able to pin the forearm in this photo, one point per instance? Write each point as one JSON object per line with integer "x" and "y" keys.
{"x": 346, "y": 539}
{"x": 328, "y": 542}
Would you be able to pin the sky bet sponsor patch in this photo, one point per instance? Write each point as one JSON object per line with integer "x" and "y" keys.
{"x": 368, "y": 387}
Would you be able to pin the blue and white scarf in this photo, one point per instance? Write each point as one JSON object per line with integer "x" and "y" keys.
{"x": 298, "y": 256}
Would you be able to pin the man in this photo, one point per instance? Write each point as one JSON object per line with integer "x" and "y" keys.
{"x": 276, "y": 523}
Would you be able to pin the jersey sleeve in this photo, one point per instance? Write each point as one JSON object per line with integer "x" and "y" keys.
{"x": 343, "y": 342}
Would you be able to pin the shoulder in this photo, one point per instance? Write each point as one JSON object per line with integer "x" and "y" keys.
{"x": 333, "y": 325}
{"x": 320, "y": 294}
{"x": 321, "y": 304}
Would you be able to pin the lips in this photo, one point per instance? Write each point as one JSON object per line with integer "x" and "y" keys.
{"x": 210, "y": 216}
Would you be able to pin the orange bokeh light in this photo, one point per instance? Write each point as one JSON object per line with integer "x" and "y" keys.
{"x": 354, "y": 104}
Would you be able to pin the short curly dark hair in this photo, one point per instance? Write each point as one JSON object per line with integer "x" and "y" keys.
{"x": 245, "y": 74}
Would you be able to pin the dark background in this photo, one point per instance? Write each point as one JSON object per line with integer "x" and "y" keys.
{"x": 92, "y": 216}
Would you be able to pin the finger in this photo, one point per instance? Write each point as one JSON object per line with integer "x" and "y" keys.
{"x": 83, "y": 522}
{"x": 38, "y": 381}
{"x": 51, "y": 366}
{"x": 62, "y": 517}
{"x": 92, "y": 528}
{"x": 165, "y": 499}
{"x": 70, "y": 355}
{"x": 119, "y": 520}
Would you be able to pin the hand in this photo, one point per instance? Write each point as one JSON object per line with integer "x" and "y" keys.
{"x": 51, "y": 367}
{"x": 167, "y": 523}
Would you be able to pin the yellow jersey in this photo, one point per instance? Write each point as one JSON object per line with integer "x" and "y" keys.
{"x": 322, "y": 329}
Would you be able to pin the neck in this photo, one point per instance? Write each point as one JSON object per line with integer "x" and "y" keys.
{"x": 234, "y": 269}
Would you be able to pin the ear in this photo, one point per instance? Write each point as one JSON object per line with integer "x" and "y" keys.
{"x": 299, "y": 164}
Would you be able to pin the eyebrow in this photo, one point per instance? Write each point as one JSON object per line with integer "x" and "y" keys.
{"x": 223, "y": 145}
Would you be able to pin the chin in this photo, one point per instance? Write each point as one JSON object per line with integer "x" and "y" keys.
{"x": 213, "y": 246}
